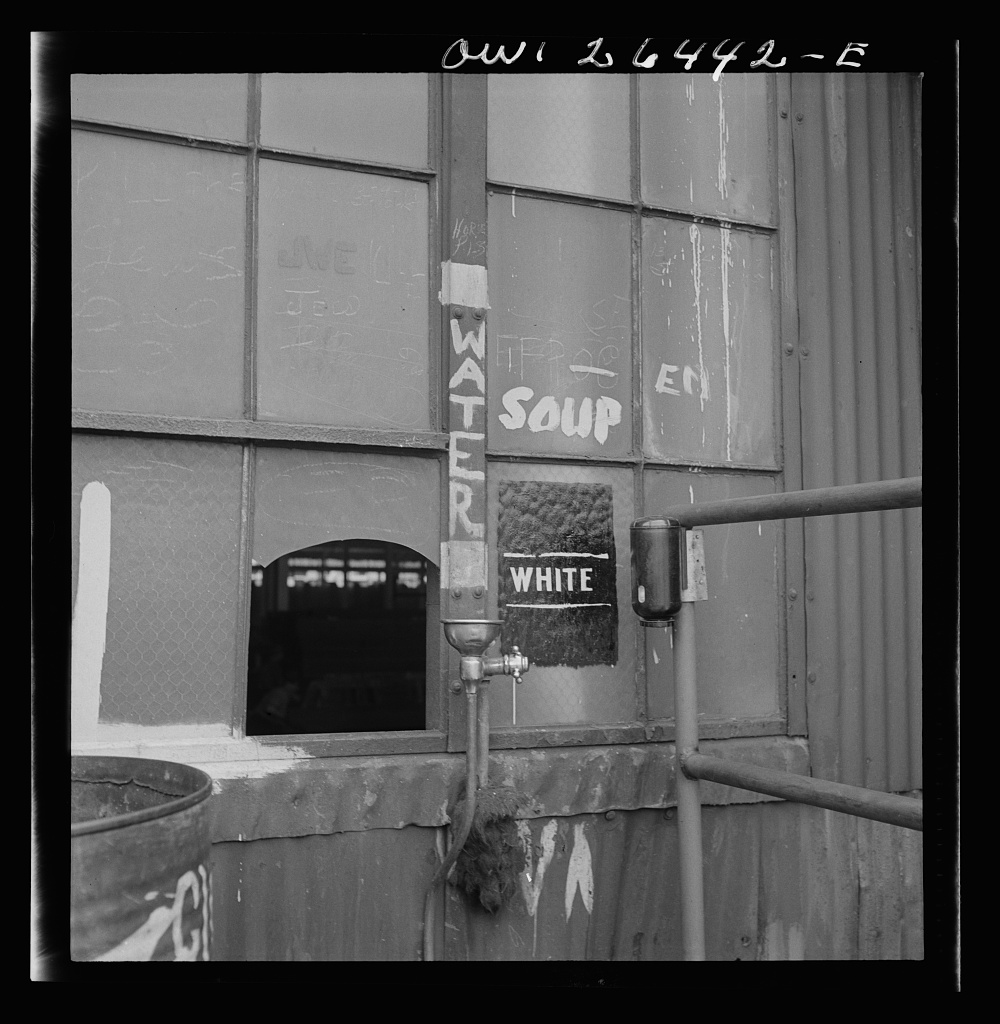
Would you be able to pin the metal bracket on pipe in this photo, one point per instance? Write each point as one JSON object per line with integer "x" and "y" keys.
{"x": 697, "y": 578}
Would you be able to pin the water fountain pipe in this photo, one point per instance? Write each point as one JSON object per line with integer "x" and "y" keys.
{"x": 458, "y": 841}
{"x": 471, "y": 638}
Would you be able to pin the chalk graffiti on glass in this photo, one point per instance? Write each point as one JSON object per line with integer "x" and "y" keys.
{"x": 560, "y": 331}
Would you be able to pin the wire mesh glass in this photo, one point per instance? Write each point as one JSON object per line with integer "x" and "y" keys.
{"x": 173, "y": 585}
{"x": 562, "y": 584}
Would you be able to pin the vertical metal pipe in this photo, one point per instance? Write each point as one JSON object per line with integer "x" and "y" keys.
{"x": 483, "y": 743}
{"x": 688, "y": 795}
{"x": 459, "y": 837}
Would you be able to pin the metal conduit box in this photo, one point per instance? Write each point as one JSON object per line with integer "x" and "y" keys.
{"x": 657, "y": 569}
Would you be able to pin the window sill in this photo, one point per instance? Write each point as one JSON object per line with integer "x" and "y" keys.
{"x": 276, "y": 797}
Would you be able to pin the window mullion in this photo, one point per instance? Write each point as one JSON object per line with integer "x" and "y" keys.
{"x": 464, "y": 308}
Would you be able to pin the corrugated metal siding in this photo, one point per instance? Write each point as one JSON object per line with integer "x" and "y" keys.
{"x": 352, "y": 896}
{"x": 856, "y": 154}
{"x": 782, "y": 882}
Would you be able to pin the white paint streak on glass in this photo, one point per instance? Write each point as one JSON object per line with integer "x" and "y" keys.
{"x": 90, "y": 614}
{"x": 723, "y": 135}
{"x": 695, "y": 235}
{"x": 727, "y": 258}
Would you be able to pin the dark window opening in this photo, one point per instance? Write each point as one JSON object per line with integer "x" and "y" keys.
{"x": 338, "y": 640}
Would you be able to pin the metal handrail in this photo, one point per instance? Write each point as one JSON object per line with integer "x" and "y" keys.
{"x": 821, "y": 501}
{"x": 899, "y": 810}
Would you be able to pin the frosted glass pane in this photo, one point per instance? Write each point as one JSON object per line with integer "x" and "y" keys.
{"x": 560, "y": 327}
{"x": 173, "y": 584}
{"x": 704, "y": 145}
{"x": 342, "y": 298}
{"x": 707, "y": 343}
{"x": 738, "y": 678}
{"x": 305, "y": 498}
{"x": 206, "y": 106}
{"x": 565, "y": 132}
{"x": 158, "y": 283}
{"x": 376, "y": 117}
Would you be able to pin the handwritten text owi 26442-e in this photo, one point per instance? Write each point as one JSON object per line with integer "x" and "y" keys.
{"x": 769, "y": 55}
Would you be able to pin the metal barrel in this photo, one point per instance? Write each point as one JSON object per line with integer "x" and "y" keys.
{"x": 141, "y": 884}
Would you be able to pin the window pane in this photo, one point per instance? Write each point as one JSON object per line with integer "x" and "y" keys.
{"x": 738, "y": 678}
{"x": 559, "y": 329}
{"x": 319, "y": 661}
{"x": 566, "y": 132}
{"x": 708, "y": 344}
{"x": 157, "y": 256}
{"x": 306, "y": 497}
{"x": 206, "y": 106}
{"x": 704, "y": 145}
{"x": 376, "y": 117}
{"x": 174, "y": 575}
{"x": 561, "y": 537}
{"x": 342, "y": 298}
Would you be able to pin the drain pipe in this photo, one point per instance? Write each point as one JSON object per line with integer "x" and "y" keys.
{"x": 660, "y": 597}
{"x": 688, "y": 795}
{"x": 459, "y": 838}
{"x": 471, "y": 638}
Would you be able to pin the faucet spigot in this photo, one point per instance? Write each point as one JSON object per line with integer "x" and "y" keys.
{"x": 506, "y": 665}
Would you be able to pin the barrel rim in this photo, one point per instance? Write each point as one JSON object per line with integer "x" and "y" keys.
{"x": 173, "y": 806}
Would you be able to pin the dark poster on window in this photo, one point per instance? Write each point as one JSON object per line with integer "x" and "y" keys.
{"x": 557, "y": 569}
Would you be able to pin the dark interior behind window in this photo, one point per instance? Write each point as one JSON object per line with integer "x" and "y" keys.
{"x": 337, "y": 640}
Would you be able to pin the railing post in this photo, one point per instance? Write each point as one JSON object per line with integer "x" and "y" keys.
{"x": 688, "y": 795}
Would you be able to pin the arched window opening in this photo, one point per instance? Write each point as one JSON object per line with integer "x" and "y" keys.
{"x": 338, "y": 640}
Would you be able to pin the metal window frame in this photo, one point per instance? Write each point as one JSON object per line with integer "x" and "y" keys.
{"x": 457, "y": 185}
{"x": 249, "y": 432}
{"x": 786, "y": 471}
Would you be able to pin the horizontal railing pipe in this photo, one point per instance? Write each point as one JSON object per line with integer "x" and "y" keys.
{"x": 822, "y": 501}
{"x": 864, "y": 803}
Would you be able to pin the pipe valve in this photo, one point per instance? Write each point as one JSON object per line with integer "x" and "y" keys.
{"x": 507, "y": 665}
{"x": 471, "y": 638}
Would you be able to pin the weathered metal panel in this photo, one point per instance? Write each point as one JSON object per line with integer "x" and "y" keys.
{"x": 890, "y": 907}
{"x": 286, "y": 797}
{"x": 856, "y": 148}
{"x": 351, "y": 896}
{"x": 808, "y": 894}
{"x": 782, "y": 882}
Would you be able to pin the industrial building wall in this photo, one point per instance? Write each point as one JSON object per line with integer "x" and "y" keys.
{"x": 333, "y": 863}
{"x": 856, "y": 150}
{"x": 188, "y": 471}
